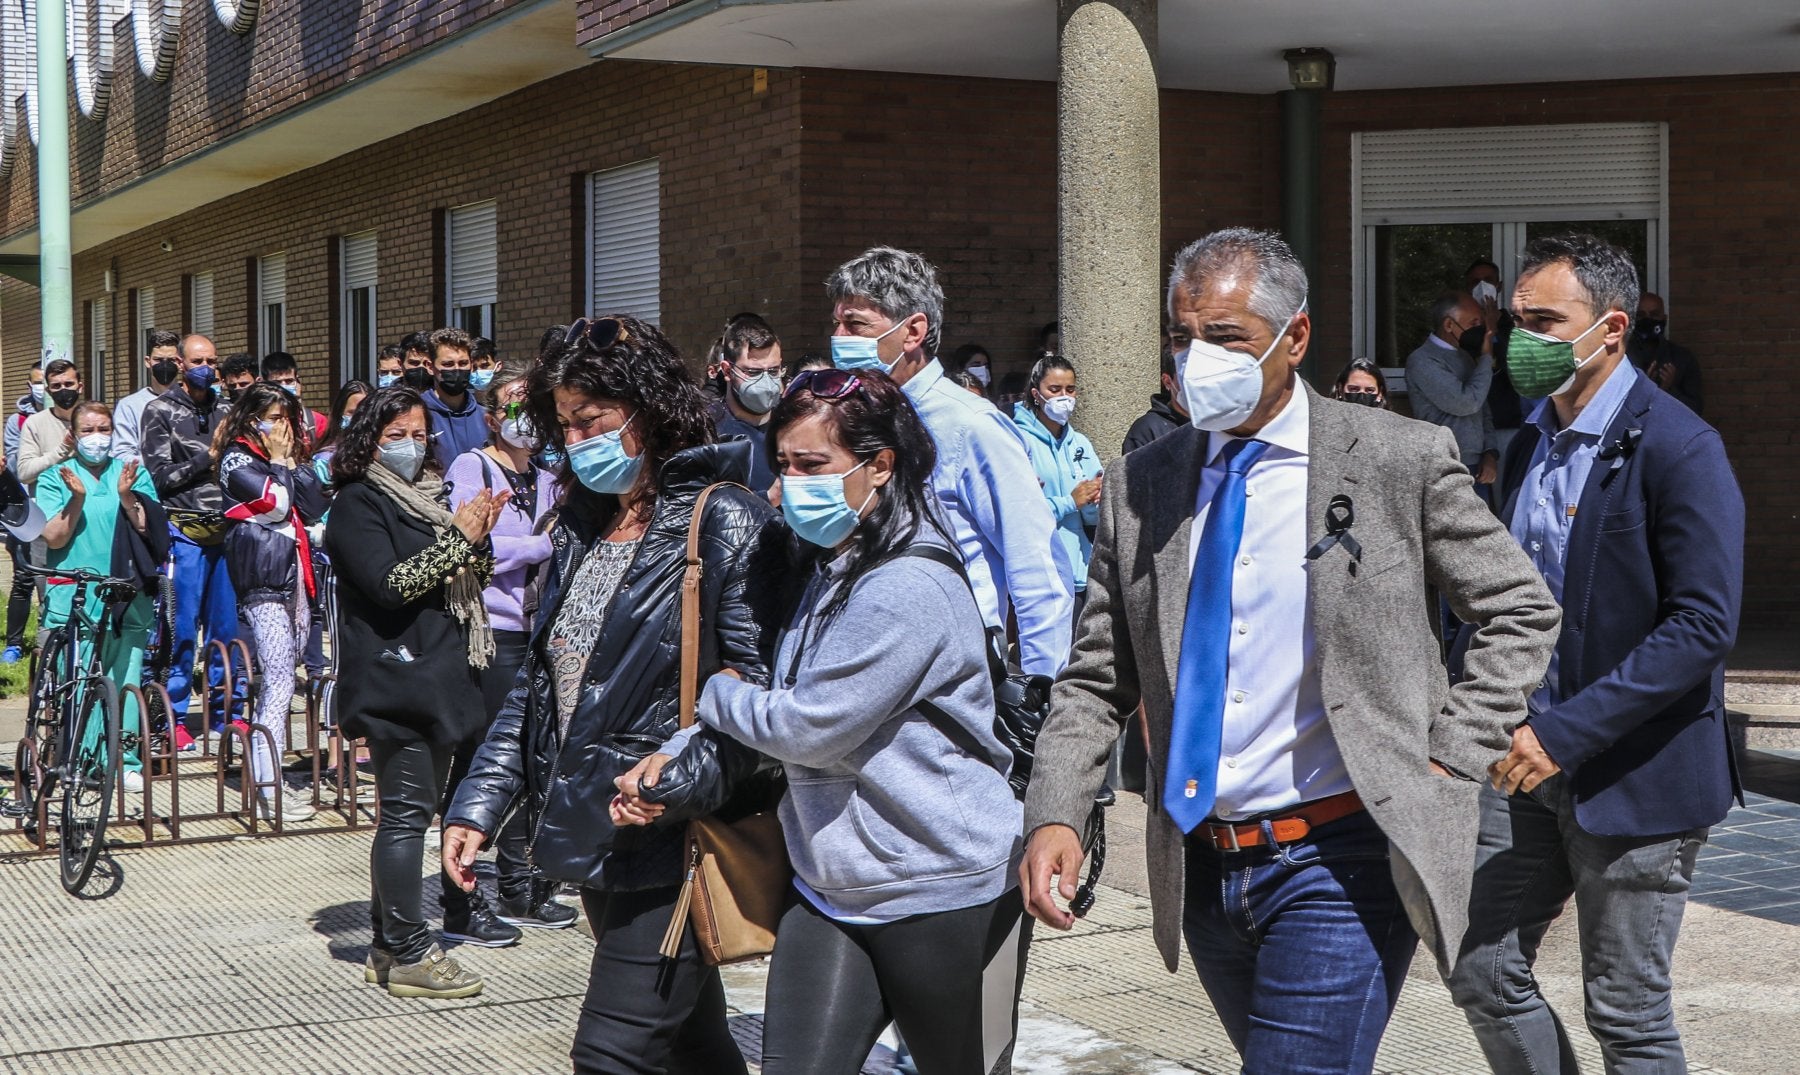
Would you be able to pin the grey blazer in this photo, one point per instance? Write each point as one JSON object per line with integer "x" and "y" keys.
{"x": 1387, "y": 697}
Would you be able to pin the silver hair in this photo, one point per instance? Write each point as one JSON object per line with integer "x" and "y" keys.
{"x": 897, "y": 283}
{"x": 1279, "y": 288}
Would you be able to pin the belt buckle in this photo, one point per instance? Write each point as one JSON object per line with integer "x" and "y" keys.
{"x": 1219, "y": 845}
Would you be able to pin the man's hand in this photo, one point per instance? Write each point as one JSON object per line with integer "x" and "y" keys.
{"x": 461, "y": 843}
{"x": 1489, "y": 469}
{"x": 1053, "y": 851}
{"x": 1525, "y": 766}
{"x": 1490, "y": 315}
{"x": 1663, "y": 373}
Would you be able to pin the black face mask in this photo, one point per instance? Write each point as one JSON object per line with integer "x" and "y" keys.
{"x": 1367, "y": 399}
{"x": 418, "y": 379}
{"x": 164, "y": 372}
{"x": 1651, "y": 328}
{"x": 64, "y": 398}
{"x": 453, "y": 382}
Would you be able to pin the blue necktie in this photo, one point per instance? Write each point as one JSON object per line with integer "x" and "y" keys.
{"x": 1192, "y": 774}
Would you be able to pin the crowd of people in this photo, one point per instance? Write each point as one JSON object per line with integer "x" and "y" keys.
{"x": 1251, "y": 589}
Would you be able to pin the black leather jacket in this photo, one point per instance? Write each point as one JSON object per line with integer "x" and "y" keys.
{"x": 629, "y": 702}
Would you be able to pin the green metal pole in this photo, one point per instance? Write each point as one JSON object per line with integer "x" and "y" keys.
{"x": 1300, "y": 193}
{"x": 55, "y": 288}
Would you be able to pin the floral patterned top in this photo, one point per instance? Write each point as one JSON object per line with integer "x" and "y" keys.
{"x": 582, "y": 617}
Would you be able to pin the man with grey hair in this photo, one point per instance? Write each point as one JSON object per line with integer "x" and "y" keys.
{"x": 1625, "y": 501}
{"x": 887, "y": 315}
{"x": 1258, "y": 584}
{"x": 1449, "y": 388}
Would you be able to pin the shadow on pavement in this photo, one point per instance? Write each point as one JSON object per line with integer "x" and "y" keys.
{"x": 345, "y": 927}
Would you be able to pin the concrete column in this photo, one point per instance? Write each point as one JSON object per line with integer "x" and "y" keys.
{"x": 1300, "y": 110}
{"x": 55, "y": 289}
{"x": 1109, "y": 198}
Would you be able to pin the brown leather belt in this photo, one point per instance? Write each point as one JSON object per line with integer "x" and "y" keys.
{"x": 1291, "y": 826}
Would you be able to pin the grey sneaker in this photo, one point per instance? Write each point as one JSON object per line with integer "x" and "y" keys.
{"x": 436, "y": 977}
{"x": 376, "y": 967}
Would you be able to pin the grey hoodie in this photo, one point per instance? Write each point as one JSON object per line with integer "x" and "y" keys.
{"x": 884, "y": 817}
{"x": 28, "y": 406}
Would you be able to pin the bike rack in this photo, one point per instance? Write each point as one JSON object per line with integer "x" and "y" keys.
{"x": 159, "y": 768}
{"x": 228, "y": 654}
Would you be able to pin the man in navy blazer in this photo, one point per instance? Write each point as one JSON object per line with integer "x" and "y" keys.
{"x": 1625, "y": 501}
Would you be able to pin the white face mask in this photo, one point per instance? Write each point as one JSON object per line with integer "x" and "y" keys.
{"x": 1222, "y": 387}
{"x": 1059, "y": 409}
{"x": 1485, "y": 291}
{"x": 981, "y": 375}
{"x": 94, "y": 446}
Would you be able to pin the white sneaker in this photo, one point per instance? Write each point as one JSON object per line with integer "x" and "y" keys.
{"x": 134, "y": 782}
{"x": 294, "y": 809}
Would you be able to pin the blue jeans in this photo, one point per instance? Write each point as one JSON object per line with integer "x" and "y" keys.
{"x": 1630, "y": 893}
{"x": 203, "y": 594}
{"x": 1302, "y": 948}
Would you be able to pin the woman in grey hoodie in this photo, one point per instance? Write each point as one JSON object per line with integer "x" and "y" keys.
{"x": 903, "y": 845}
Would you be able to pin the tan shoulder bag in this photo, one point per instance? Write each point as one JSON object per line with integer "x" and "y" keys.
{"x": 738, "y": 876}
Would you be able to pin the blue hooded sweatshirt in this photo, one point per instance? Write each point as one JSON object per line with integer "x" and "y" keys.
{"x": 1062, "y": 463}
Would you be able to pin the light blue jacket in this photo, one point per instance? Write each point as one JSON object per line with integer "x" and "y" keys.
{"x": 1061, "y": 465}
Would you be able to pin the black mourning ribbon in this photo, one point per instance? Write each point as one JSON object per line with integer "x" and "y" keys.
{"x": 1620, "y": 450}
{"x": 1339, "y": 515}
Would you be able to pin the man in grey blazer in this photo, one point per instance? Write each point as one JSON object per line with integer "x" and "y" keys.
{"x": 1264, "y": 590}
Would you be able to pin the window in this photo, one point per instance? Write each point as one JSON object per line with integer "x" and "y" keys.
{"x": 200, "y": 317}
{"x": 624, "y": 235}
{"x": 359, "y": 306}
{"x": 271, "y": 303}
{"x": 144, "y": 302}
{"x": 99, "y": 330}
{"x": 470, "y": 266}
{"x": 1426, "y": 203}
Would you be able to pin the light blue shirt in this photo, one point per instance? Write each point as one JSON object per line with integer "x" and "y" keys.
{"x": 998, "y": 518}
{"x": 1549, "y": 496}
{"x": 1276, "y": 749}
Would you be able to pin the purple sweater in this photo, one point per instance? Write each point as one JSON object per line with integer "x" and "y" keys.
{"x": 517, "y": 545}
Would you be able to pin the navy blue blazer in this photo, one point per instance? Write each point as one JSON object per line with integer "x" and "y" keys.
{"x": 1651, "y": 591}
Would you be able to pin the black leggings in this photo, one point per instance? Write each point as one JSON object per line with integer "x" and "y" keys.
{"x": 949, "y": 981}
{"x": 509, "y": 846}
{"x": 409, "y": 776}
{"x": 643, "y": 1014}
{"x": 18, "y": 600}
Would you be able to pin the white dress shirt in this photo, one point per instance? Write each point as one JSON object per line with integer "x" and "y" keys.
{"x": 1276, "y": 749}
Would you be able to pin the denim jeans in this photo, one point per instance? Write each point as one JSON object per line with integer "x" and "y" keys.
{"x": 203, "y": 594}
{"x": 1302, "y": 948}
{"x": 1629, "y": 892}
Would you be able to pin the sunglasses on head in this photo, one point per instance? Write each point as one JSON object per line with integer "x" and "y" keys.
{"x": 598, "y": 333}
{"x": 825, "y": 384}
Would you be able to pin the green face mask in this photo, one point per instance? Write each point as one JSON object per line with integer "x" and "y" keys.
{"x": 1541, "y": 365}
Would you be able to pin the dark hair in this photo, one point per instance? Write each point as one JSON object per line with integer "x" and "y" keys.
{"x": 1603, "y": 270}
{"x": 388, "y": 350}
{"x": 965, "y": 379}
{"x": 482, "y": 348}
{"x": 641, "y": 368}
{"x": 416, "y": 341}
{"x": 451, "y": 337}
{"x": 162, "y": 337}
{"x": 360, "y": 443}
{"x": 60, "y": 365}
{"x": 335, "y": 427}
{"x": 744, "y": 333}
{"x": 552, "y": 340}
{"x": 959, "y": 358}
{"x": 1360, "y": 365}
{"x": 1481, "y": 263}
{"x": 278, "y": 362}
{"x": 874, "y": 416}
{"x": 1042, "y": 367}
{"x": 240, "y": 422}
{"x": 808, "y": 360}
{"x": 236, "y": 364}
{"x": 1050, "y": 329}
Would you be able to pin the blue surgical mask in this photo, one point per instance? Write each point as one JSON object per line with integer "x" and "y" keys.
{"x": 265, "y": 428}
{"x": 290, "y": 387}
{"x": 600, "y": 463}
{"x": 860, "y": 352}
{"x": 344, "y": 421}
{"x": 403, "y": 457}
{"x": 816, "y": 508}
{"x": 386, "y": 380}
{"x": 201, "y": 376}
{"x": 480, "y": 379}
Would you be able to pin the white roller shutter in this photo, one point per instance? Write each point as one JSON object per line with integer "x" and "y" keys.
{"x": 146, "y": 316}
{"x": 271, "y": 280}
{"x": 471, "y": 256}
{"x": 624, "y": 253}
{"x": 359, "y": 260}
{"x": 1583, "y": 171}
{"x": 203, "y": 303}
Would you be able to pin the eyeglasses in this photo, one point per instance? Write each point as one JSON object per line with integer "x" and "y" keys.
{"x": 512, "y": 410}
{"x": 825, "y": 384}
{"x": 599, "y": 333}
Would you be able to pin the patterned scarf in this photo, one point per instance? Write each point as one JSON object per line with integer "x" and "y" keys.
{"x": 424, "y": 501}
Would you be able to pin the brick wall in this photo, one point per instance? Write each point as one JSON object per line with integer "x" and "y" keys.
{"x": 1733, "y": 264}
{"x": 597, "y": 18}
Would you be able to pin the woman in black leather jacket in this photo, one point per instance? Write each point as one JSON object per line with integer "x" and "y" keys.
{"x": 600, "y": 686}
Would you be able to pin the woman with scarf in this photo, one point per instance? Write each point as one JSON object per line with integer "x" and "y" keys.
{"x": 412, "y": 639}
{"x": 271, "y": 494}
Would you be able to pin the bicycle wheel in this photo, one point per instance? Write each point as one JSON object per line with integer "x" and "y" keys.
{"x": 43, "y": 718}
{"x": 89, "y": 778}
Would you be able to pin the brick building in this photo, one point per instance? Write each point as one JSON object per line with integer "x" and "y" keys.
{"x": 341, "y": 174}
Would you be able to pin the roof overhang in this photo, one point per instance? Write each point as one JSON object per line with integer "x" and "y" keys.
{"x": 1237, "y": 47}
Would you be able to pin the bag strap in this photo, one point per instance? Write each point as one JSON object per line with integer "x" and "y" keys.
{"x": 690, "y": 607}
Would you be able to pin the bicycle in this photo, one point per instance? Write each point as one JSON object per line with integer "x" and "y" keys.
{"x": 72, "y": 752}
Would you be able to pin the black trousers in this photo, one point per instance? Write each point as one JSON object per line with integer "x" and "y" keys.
{"x": 644, "y": 1015}
{"x": 949, "y": 981}
{"x": 509, "y": 845}
{"x": 18, "y": 601}
{"x": 409, "y": 777}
